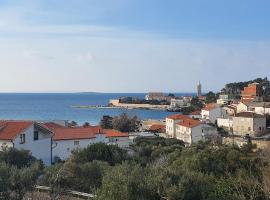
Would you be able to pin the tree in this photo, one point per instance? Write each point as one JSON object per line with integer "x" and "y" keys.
{"x": 210, "y": 97}
{"x": 73, "y": 123}
{"x": 106, "y": 122}
{"x": 86, "y": 124}
{"x": 18, "y": 158}
{"x": 16, "y": 182}
{"x": 100, "y": 151}
{"x": 171, "y": 95}
{"x": 125, "y": 124}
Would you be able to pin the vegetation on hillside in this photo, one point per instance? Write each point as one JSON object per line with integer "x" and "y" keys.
{"x": 235, "y": 88}
{"x": 155, "y": 169}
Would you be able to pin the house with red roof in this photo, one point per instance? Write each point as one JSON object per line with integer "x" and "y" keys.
{"x": 27, "y": 135}
{"x": 196, "y": 114}
{"x": 211, "y": 112}
{"x": 116, "y": 137}
{"x": 189, "y": 131}
{"x": 68, "y": 139}
{"x": 171, "y": 122}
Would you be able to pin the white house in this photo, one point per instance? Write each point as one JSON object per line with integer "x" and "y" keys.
{"x": 241, "y": 107}
{"x": 229, "y": 110}
{"x": 196, "y": 114}
{"x": 226, "y": 123}
{"x": 27, "y": 135}
{"x": 117, "y": 138}
{"x": 249, "y": 123}
{"x": 211, "y": 112}
{"x": 171, "y": 122}
{"x": 179, "y": 103}
{"x": 262, "y": 108}
{"x": 189, "y": 131}
{"x": 66, "y": 140}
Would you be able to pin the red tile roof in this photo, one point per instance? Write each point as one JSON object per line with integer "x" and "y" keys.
{"x": 157, "y": 128}
{"x": 114, "y": 133}
{"x": 210, "y": 106}
{"x": 76, "y": 133}
{"x": 197, "y": 112}
{"x": 10, "y": 129}
{"x": 52, "y": 125}
{"x": 249, "y": 115}
{"x": 189, "y": 123}
{"x": 178, "y": 117}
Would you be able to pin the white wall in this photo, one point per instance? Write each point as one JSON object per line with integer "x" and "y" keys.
{"x": 64, "y": 148}
{"x": 241, "y": 108}
{"x": 212, "y": 114}
{"x": 122, "y": 142}
{"x": 171, "y": 127}
{"x": 189, "y": 135}
{"x": 225, "y": 123}
{"x": 262, "y": 110}
{"x": 197, "y": 134}
{"x": 41, "y": 148}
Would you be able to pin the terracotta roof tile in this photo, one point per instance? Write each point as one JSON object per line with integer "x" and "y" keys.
{"x": 210, "y": 106}
{"x": 68, "y": 133}
{"x": 52, "y": 125}
{"x": 249, "y": 115}
{"x": 178, "y": 117}
{"x": 157, "y": 127}
{"x": 114, "y": 133}
{"x": 189, "y": 123}
{"x": 10, "y": 129}
{"x": 197, "y": 112}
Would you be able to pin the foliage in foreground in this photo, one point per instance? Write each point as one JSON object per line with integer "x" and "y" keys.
{"x": 156, "y": 169}
{"x": 19, "y": 171}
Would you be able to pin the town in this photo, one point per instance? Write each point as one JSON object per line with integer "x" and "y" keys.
{"x": 218, "y": 142}
{"x": 226, "y": 118}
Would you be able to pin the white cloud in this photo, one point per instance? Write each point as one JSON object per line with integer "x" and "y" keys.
{"x": 86, "y": 57}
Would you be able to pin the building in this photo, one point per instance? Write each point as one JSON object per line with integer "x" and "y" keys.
{"x": 117, "y": 138}
{"x": 179, "y": 103}
{"x": 189, "y": 131}
{"x": 253, "y": 92}
{"x": 66, "y": 140}
{"x": 262, "y": 108}
{"x": 229, "y": 110}
{"x": 225, "y": 123}
{"x": 211, "y": 112}
{"x": 224, "y": 99}
{"x": 157, "y": 128}
{"x": 242, "y": 107}
{"x": 27, "y": 135}
{"x": 171, "y": 122}
{"x": 196, "y": 114}
{"x": 199, "y": 89}
{"x": 249, "y": 123}
{"x": 157, "y": 96}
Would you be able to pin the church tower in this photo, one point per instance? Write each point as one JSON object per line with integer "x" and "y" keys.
{"x": 199, "y": 89}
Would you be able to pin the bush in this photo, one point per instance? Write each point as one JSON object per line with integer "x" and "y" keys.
{"x": 100, "y": 151}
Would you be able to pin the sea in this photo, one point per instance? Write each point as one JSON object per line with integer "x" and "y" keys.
{"x": 60, "y": 106}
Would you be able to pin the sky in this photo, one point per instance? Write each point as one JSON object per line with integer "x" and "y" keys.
{"x": 132, "y": 45}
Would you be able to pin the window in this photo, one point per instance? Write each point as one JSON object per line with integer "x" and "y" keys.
{"x": 22, "y": 137}
{"x": 35, "y": 135}
{"x": 249, "y": 129}
{"x": 76, "y": 143}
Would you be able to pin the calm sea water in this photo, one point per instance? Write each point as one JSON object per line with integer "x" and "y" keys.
{"x": 59, "y": 106}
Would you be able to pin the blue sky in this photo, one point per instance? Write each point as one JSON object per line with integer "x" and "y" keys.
{"x": 131, "y": 45}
